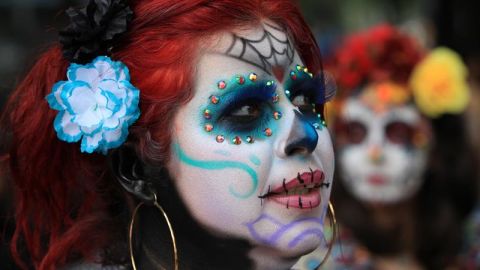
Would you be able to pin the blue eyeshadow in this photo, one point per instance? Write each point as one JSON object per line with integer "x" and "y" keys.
{"x": 237, "y": 92}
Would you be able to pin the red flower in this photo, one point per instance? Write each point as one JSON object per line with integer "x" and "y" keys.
{"x": 377, "y": 54}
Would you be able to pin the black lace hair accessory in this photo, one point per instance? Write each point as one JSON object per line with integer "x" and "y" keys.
{"x": 94, "y": 29}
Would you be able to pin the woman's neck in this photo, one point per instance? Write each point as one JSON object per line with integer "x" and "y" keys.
{"x": 397, "y": 218}
{"x": 197, "y": 248}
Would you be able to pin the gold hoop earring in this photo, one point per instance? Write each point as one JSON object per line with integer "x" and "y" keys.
{"x": 170, "y": 228}
{"x": 333, "y": 223}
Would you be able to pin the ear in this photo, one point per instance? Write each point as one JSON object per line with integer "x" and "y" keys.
{"x": 129, "y": 171}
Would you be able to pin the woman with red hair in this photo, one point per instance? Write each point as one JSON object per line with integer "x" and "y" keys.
{"x": 157, "y": 124}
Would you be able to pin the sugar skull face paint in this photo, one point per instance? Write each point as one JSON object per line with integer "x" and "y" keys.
{"x": 279, "y": 168}
{"x": 382, "y": 152}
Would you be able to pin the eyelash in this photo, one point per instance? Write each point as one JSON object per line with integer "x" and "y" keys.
{"x": 252, "y": 128}
{"x": 307, "y": 88}
{"x": 256, "y": 94}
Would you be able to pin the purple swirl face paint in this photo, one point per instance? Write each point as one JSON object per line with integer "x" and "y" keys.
{"x": 247, "y": 162}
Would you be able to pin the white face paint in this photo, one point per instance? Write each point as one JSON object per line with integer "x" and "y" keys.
{"x": 380, "y": 163}
{"x": 221, "y": 182}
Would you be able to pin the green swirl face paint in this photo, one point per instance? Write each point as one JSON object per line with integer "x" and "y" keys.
{"x": 255, "y": 160}
{"x": 221, "y": 165}
{"x": 229, "y": 160}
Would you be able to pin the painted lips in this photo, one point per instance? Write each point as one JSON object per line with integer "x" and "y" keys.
{"x": 377, "y": 180}
{"x": 301, "y": 192}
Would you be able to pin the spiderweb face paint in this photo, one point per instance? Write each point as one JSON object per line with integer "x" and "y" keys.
{"x": 240, "y": 107}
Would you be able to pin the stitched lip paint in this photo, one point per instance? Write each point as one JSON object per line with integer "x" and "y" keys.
{"x": 301, "y": 192}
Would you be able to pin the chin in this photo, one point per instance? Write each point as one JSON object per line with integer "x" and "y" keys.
{"x": 306, "y": 246}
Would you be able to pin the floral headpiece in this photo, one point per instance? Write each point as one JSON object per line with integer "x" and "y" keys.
{"x": 390, "y": 63}
{"x": 439, "y": 83}
{"x": 97, "y": 103}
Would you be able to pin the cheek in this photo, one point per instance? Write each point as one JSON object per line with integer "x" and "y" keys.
{"x": 404, "y": 164}
{"x": 220, "y": 181}
{"x": 353, "y": 160}
{"x": 325, "y": 151}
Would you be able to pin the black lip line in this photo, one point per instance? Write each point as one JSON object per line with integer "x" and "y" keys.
{"x": 272, "y": 193}
{"x": 300, "y": 178}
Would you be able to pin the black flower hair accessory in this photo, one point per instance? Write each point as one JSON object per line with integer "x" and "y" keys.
{"x": 94, "y": 29}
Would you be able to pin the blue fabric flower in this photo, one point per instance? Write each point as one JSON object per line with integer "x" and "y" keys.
{"x": 96, "y": 105}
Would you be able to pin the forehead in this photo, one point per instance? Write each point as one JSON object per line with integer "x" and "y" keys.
{"x": 355, "y": 110}
{"x": 265, "y": 46}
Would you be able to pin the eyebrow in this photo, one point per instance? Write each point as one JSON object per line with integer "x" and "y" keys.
{"x": 241, "y": 45}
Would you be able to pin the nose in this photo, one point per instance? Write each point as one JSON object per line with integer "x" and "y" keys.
{"x": 375, "y": 154}
{"x": 376, "y": 142}
{"x": 303, "y": 137}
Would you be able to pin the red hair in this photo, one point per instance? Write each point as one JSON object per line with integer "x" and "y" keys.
{"x": 62, "y": 196}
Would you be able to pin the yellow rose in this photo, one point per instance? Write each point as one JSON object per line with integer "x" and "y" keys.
{"x": 439, "y": 83}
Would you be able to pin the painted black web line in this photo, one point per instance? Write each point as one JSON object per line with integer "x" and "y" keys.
{"x": 265, "y": 63}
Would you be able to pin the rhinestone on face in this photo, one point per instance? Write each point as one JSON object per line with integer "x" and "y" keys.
{"x": 207, "y": 114}
{"x": 316, "y": 125}
{"x": 252, "y": 77}
{"x": 220, "y": 138}
{"x": 277, "y": 115}
{"x": 268, "y": 132}
{"x": 305, "y": 70}
{"x": 293, "y": 75}
{"x": 240, "y": 80}
{"x": 208, "y": 127}
{"x": 222, "y": 85}
{"x": 299, "y": 67}
{"x": 287, "y": 92}
{"x": 250, "y": 139}
{"x": 270, "y": 83}
{"x": 214, "y": 99}
{"x": 275, "y": 98}
{"x": 324, "y": 123}
{"x": 237, "y": 140}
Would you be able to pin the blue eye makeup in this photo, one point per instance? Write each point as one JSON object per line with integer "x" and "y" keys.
{"x": 242, "y": 110}
{"x": 310, "y": 93}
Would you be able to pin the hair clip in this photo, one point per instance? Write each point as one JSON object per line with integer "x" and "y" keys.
{"x": 97, "y": 104}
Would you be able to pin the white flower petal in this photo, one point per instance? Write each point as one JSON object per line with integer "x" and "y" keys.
{"x": 89, "y": 119}
{"x": 90, "y": 130}
{"x": 91, "y": 143}
{"x": 100, "y": 99}
{"x": 81, "y": 100}
{"x": 111, "y": 123}
{"x": 88, "y": 75}
{"x": 66, "y": 129}
{"x": 105, "y": 112}
{"x": 120, "y": 113}
{"x": 112, "y": 136}
{"x": 113, "y": 87}
{"x": 105, "y": 69}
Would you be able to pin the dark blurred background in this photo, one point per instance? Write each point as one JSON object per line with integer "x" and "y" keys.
{"x": 28, "y": 27}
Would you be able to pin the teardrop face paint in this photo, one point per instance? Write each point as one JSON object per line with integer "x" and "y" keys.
{"x": 380, "y": 155}
{"x": 261, "y": 192}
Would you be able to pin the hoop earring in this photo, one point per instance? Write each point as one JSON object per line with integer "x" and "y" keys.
{"x": 170, "y": 228}
{"x": 333, "y": 223}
